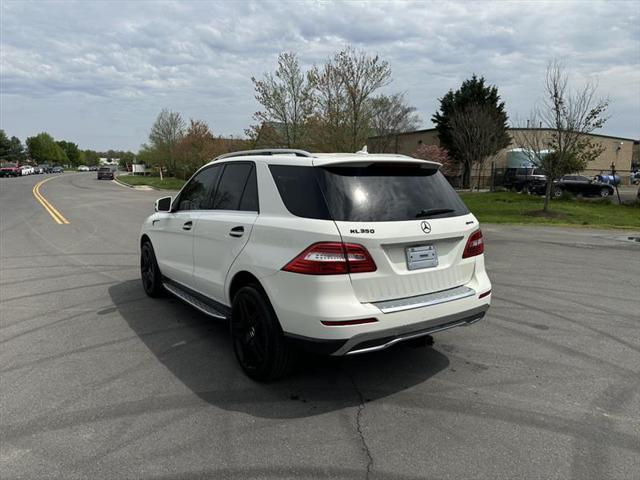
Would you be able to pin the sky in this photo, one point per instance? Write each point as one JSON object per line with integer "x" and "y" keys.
{"x": 98, "y": 72}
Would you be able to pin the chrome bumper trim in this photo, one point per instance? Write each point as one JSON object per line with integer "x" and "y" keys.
{"x": 428, "y": 299}
{"x": 408, "y": 332}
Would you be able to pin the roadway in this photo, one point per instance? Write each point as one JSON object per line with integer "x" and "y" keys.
{"x": 98, "y": 381}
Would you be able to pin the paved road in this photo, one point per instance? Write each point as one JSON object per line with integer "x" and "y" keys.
{"x": 100, "y": 382}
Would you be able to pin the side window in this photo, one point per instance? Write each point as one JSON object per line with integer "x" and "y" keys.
{"x": 249, "y": 202}
{"x": 196, "y": 195}
{"x": 232, "y": 185}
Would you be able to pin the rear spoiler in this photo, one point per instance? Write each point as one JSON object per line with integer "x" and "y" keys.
{"x": 359, "y": 161}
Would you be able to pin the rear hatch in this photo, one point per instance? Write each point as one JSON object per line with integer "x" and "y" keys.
{"x": 408, "y": 217}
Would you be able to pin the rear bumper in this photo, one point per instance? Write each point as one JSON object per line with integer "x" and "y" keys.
{"x": 381, "y": 339}
{"x": 302, "y": 304}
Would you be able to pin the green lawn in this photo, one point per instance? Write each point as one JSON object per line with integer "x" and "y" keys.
{"x": 167, "y": 183}
{"x": 505, "y": 207}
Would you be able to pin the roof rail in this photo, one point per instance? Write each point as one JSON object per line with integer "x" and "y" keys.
{"x": 267, "y": 151}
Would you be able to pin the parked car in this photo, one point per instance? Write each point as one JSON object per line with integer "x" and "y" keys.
{"x": 27, "y": 170}
{"x": 10, "y": 171}
{"x": 340, "y": 254}
{"x": 106, "y": 172}
{"x": 581, "y": 185}
{"x": 57, "y": 169}
{"x": 527, "y": 180}
{"x": 93, "y": 168}
{"x": 83, "y": 168}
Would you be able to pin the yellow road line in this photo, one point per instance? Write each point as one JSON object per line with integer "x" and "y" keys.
{"x": 51, "y": 210}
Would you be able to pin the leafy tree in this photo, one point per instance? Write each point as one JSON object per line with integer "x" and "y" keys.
{"x": 165, "y": 134}
{"x": 485, "y": 98}
{"x": 90, "y": 157}
{"x": 567, "y": 116}
{"x": 197, "y": 147}
{"x": 72, "y": 152}
{"x": 390, "y": 115}
{"x": 126, "y": 159}
{"x": 287, "y": 100}
{"x": 11, "y": 149}
{"x": 43, "y": 149}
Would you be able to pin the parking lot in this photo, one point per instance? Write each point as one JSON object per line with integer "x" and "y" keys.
{"x": 100, "y": 381}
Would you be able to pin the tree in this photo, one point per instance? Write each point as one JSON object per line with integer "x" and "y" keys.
{"x": 90, "y": 157}
{"x": 344, "y": 85}
{"x": 473, "y": 91}
{"x": 567, "y": 117}
{"x": 126, "y": 159}
{"x": 72, "y": 152}
{"x": 43, "y": 149}
{"x": 196, "y": 148}
{"x": 287, "y": 100}
{"x": 476, "y": 134}
{"x": 11, "y": 149}
{"x": 165, "y": 134}
{"x": 434, "y": 153}
{"x": 390, "y": 115}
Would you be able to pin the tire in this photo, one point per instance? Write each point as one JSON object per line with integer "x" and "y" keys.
{"x": 557, "y": 192}
{"x": 604, "y": 192}
{"x": 260, "y": 347}
{"x": 149, "y": 271}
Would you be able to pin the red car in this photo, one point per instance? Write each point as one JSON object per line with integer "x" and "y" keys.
{"x": 10, "y": 171}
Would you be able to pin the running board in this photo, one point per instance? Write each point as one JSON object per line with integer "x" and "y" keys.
{"x": 195, "y": 301}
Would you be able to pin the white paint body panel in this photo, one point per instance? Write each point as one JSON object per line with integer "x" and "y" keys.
{"x": 207, "y": 259}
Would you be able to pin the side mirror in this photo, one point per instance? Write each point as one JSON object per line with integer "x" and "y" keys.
{"x": 163, "y": 204}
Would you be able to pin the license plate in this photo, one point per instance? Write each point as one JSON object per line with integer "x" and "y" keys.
{"x": 423, "y": 256}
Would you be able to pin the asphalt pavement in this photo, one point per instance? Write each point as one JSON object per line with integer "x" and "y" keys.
{"x": 97, "y": 381}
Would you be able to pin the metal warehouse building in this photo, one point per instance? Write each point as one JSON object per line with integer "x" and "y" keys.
{"x": 618, "y": 151}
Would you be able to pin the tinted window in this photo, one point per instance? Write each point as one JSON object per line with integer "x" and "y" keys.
{"x": 387, "y": 193}
{"x": 375, "y": 193}
{"x": 300, "y": 191}
{"x": 196, "y": 195}
{"x": 231, "y": 186}
{"x": 249, "y": 200}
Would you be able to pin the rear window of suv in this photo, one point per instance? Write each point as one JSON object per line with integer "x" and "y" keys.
{"x": 374, "y": 193}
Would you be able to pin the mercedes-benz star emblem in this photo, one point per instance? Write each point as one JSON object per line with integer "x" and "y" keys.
{"x": 426, "y": 227}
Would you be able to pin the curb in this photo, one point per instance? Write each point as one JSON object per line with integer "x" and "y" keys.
{"x": 141, "y": 188}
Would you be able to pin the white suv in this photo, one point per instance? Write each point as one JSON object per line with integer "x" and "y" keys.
{"x": 336, "y": 253}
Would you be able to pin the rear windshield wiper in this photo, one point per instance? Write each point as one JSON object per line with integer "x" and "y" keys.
{"x": 433, "y": 211}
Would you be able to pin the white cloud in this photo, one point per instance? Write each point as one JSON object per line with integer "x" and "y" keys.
{"x": 98, "y": 72}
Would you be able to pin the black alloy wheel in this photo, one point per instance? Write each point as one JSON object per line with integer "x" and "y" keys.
{"x": 260, "y": 347}
{"x": 604, "y": 192}
{"x": 149, "y": 271}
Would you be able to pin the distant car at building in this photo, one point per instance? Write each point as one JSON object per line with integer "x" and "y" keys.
{"x": 57, "y": 169}
{"x": 528, "y": 180}
{"x": 106, "y": 172}
{"x": 581, "y": 185}
{"x": 83, "y": 168}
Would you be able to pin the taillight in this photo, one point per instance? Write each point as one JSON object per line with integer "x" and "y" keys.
{"x": 332, "y": 258}
{"x": 475, "y": 245}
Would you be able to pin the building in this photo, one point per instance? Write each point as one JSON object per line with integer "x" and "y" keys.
{"x": 108, "y": 161}
{"x": 617, "y": 151}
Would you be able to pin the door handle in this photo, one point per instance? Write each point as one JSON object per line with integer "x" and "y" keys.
{"x": 187, "y": 225}
{"x": 237, "y": 231}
